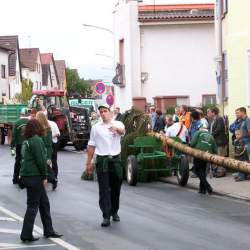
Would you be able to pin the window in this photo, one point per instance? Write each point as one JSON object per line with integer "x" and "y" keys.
{"x": 208, "y": 100}
{"x": 3, "y": 71}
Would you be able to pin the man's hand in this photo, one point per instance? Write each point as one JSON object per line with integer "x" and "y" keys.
{"x": 89, "y": 168}
{"x": 49, "y": 162}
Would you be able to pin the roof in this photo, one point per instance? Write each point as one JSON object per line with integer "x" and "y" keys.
{"x": 61, "y": 70}
{"x": 46, "y": 58}
{"x": 176, "y": 12}
{"x": 45, "y": 74}
{"x": 11, "y": 42}
{"x": 28, "y": 58}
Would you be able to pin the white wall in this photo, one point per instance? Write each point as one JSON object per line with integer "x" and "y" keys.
{"x": 179, "y": 60}
{"x": 126, "y": 27}
{"x": 4, "y": 86}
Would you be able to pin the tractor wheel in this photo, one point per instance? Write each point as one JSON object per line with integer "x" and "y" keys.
{"x": 132, "y": 170}
{"x": 183, "y": 171}
{"x": 79, "y": 145}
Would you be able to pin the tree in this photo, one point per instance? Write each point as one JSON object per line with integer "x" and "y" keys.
{"x": 25, "y": 95}
{"x": 76, "y": 85}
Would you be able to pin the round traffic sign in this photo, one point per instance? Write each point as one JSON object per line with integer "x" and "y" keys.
{"x": 110, "y": 99}
{"x": 100, "y": 88}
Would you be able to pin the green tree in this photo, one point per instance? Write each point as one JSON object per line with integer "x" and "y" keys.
{"x": 76, "y": 85}
{"x": 26, "y": 93}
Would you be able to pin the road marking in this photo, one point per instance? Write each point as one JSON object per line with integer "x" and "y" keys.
{"x": 6, "y": 219}
{"x": 60, "y": 242}
{"x": 12, "y": 231}
{"x": 19, "y": 246}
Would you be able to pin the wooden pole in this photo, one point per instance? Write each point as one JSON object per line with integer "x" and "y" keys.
{"x": 226, "y": 162}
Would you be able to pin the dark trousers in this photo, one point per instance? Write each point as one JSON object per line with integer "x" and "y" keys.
{"x": 36, "y": 199}
{"x": 17, "y": 165}
{"x": 54, "y": 160}
{"x": 200, "y": 171}
{"x": 109, "y": 190}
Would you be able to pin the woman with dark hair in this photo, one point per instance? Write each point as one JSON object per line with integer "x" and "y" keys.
{"x": 159, "y": 122}
{"x": 34, "y": 178}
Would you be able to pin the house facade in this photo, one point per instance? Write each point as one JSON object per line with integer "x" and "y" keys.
{"x": 49, "y": 74}
{"x": 235, "y": 45}
{"x": 61, "y": 73}
{"x": 164, "y": 54}
{"x": 4, "y": 73}
{"x": 31, "y": 66}
{"x": 14, "y": 69}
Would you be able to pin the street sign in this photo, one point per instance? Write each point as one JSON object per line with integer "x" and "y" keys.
{"x": 110, "y": 99}
{"x": 100, "y": 88}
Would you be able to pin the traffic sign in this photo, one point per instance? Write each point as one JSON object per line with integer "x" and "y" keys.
{"x": 100, "y": 88}
{"x": 110, "y": 99}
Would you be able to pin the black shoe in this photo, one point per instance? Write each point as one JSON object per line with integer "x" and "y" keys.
{"x": 210, "y": 191}
{"x": 202, "y": 191}
{"x": 105, "y": 222}
{"x": 29, "y": 239}
{"x": 116, "y": 217}
{"x": 54, "y": 185}
{"x": 15, "y": 182}
{"x": 53, "y": 235}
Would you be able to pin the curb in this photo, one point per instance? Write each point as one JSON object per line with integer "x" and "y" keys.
{"x": 218, "y": 193}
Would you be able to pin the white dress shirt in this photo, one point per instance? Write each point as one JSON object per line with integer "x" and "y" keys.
{"x": 105, "y": 141}
{"x": 55, "y": 131}
{"x": 173, "y": 130}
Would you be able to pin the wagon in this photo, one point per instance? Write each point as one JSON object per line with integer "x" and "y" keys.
{"x": 148, "y": 157}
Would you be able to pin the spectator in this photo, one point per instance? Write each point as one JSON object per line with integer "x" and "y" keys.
{"x": 176, "y": 116}
{"x": 245, "y": 127}
{"x": 235, "y": 125}
{"x": 152, "y": 117}
{"x": 185, "y": 118}
{"x": 93, "y": 119}
{"x": 117, "y": 114}
{"x": 203, "y": 119}
{"x": 240, "y": 154}
{"x": 176, "y": 129}
{"x": 195, "y": 123}
{"x": 218, "y": 131}
{"x": 159, "y": 122}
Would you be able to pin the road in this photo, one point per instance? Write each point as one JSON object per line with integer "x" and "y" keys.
{"x": 154, "y": 216}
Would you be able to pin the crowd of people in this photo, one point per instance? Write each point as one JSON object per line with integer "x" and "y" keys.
{"x": 187, "y": 124}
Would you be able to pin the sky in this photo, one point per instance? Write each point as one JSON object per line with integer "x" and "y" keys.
{"x": 56, "y": 26}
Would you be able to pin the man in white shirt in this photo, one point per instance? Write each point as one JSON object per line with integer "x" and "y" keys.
{"x": 176, "y": 129}
{"x": 105, "y": 142}
{"x": 55, "y": 135}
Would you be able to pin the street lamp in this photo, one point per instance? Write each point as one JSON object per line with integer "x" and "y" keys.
{"x": 98, "y": 27}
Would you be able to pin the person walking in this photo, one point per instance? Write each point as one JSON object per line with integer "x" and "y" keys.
{"x": 34, "y": 178}
{"x": 55, "y": 135}
{"x": 17, "y": 141}
{"x": 204, "y": 141}
{"x": 218, "y": 131}
{"x": 105, "y": 142}
{"x": 47, "y": 139}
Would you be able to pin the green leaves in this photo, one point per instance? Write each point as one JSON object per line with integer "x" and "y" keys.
{"x": 76, "y": 85}
{"x": 25, "y": 95}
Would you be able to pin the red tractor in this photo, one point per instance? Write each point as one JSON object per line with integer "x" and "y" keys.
{"x": 74, "y": 124}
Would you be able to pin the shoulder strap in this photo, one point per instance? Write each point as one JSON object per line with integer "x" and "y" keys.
{"x": 180, "y": 130}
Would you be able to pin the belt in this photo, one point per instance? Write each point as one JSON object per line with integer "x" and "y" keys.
{"x": 109, "y": 156}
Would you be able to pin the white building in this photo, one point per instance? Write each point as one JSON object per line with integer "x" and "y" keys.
{"x": 14, "y": 85}
{"x": 49, "y": 75}
{"x": 4, "y": 73}
{"x": 165, "y": 54}
{"x": 31, "y": 66}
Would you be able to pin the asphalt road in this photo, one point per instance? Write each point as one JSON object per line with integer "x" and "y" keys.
{"x": 154, "y": 216}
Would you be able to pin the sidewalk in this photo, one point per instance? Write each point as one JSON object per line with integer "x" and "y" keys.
{"x": 225, "y": 186}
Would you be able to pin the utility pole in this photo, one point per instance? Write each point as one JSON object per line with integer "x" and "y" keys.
{"x": 219, "y": 56}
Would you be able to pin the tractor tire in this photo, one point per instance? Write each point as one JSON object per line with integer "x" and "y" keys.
{"x": 132, "y": 170}
{"x": 182, "y": 172}
{"x": 79, "y": 145}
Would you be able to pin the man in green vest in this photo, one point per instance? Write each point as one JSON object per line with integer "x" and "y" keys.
{"x": 17, "y": 141}
{"x": 203, "y": 141}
